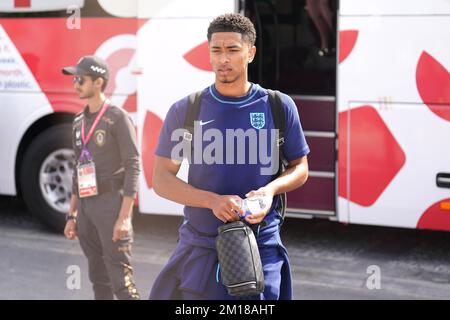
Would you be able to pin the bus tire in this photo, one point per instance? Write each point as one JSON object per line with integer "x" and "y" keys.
{"x": 46, "y": 176}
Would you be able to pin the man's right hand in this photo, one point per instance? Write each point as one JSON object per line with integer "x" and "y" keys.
{"x": 70, "y": 231}
{"x": 226, "y": 208}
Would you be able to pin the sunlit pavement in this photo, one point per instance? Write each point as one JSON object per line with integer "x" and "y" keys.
{"x": 329, "y": 260}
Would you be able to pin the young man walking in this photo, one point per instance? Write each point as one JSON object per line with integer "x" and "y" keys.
{"x": 233, "y": 131}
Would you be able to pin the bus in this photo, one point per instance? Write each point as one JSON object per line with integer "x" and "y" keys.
{"x": 370, "y": 79}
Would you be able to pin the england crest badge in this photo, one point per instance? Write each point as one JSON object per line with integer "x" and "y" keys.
{"x": 257, "y": 120}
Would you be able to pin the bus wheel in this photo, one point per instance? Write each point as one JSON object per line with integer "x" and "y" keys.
{"x": 46, "y": 176}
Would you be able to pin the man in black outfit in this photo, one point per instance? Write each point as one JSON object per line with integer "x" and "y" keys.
{"x": 104, "y": 183}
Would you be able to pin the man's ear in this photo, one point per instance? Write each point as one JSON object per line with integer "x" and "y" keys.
{"x": 99, "y": 82}
{"x": 251, "y": 55}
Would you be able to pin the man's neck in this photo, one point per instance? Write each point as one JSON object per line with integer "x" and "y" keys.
{"x": 234, "y": 89}
{"x": 95, "y": 103}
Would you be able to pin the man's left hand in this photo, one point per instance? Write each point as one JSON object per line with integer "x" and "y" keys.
{"x": 259, "y": 216}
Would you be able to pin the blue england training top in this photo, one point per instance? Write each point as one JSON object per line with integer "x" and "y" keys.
{"x": 232, "y": 156}
{"x": 234, "y": 170}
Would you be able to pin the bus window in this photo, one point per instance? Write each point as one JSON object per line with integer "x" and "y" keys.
{"x": 296, "y": 45}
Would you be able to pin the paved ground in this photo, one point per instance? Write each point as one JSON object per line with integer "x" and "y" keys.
{"x": 329, "y": 260}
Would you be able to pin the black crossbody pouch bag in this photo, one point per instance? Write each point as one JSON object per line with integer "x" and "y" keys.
{"x": 240, "y": 263}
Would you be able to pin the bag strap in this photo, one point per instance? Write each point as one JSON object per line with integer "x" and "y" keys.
{"x": 193, "y": 111}
{"x": 278, "y": 115}
{"x": 279, "y": 119}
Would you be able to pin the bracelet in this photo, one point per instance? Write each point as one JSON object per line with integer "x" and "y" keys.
{"x": 71, "y": 217}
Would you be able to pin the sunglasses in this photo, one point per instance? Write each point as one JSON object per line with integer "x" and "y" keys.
{"x": 78, "y": 79}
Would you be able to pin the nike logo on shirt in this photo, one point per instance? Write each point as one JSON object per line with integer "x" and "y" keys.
{"x": 206, "y": 122}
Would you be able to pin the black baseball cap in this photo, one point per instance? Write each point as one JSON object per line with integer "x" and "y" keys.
{"x": 89, "y": 65}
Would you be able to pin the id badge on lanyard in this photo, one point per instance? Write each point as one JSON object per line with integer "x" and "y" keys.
{"x": 87, "y": 179}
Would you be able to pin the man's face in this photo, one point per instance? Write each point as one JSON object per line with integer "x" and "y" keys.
{"x": 230, "y": 56}
{"x": 85, "y": 86}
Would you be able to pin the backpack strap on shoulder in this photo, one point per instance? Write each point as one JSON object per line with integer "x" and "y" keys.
{"x": 279, "y": 119}
{"x": 278, "y": 115}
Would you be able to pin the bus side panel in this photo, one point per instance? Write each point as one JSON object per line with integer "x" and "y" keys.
{"x": 394, "y": 119}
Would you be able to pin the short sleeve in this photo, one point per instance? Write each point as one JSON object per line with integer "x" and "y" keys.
{"x": 295, "y": 145}
{"x": 171, "y": 133}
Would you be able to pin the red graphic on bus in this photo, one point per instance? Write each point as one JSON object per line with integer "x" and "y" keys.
{"x": 375, "y": 155}
{"x": 22, "y": 3}
{"x": 150, "y": 135}
{"x": 116, "y": 61}
{"x": 347, "y": 41}
{"x": 436, "y": 217}
{"x": 199, "y": 57}
{"x": 433, "y": 84}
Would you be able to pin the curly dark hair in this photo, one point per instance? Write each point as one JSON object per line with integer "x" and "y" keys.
{"x": 233, "y": 22}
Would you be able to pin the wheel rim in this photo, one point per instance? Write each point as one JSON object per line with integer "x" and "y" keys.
{"x": 55, "y": 179}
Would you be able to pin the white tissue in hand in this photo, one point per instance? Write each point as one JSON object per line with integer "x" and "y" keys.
{"x": 255, "y": 204}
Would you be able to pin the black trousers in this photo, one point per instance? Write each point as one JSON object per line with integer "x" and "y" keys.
{"x": 110, "y": 270}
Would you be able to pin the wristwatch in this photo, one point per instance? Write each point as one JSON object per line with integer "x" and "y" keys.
{"x": 71, "y": 217}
